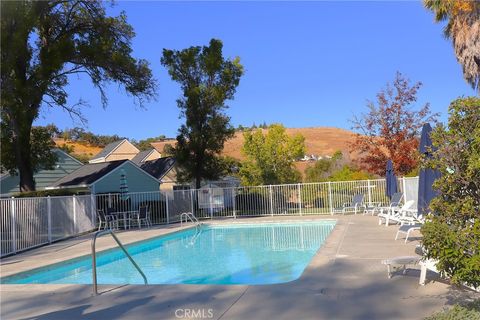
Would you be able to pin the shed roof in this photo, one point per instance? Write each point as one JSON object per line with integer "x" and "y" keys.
{"x": 87, "y": 174}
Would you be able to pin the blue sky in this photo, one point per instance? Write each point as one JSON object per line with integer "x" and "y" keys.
{"x": 307, "y": 63}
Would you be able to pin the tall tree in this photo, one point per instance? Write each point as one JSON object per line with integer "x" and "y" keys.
{"x": 390, "y": 128}
{"x": 43, "y": 44}
{"x": 270, "y": 157}
{"x": 463, "y": 28}
{"x": 452, "y": 234}
{"x": 207, "y": 80}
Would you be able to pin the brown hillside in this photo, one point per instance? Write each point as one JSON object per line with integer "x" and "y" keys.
{"x": 79, "y": 149}
{"x": 321, "y": 141}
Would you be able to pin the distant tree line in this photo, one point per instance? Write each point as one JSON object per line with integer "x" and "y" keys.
{"x": 264, "y": 125}
{"x": 82, "y": 136}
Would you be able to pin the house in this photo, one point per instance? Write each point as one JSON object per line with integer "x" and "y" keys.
{"x": 104, "y": 177}
{"x": 118, "y": 150}
{"x": 164, "y": 170}
{"x": 147, "y": 155}
{"x": 43, "y": 178}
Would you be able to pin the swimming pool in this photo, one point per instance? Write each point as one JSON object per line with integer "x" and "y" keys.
{"x": 265, "y": 253}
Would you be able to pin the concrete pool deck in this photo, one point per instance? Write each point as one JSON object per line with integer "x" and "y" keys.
{"x": 345, "y": 280}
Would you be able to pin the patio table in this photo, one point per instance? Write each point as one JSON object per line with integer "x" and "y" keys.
{"x": 125, "y": 216}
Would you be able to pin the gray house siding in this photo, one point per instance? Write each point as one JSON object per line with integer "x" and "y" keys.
{"x": 43, "y": 178}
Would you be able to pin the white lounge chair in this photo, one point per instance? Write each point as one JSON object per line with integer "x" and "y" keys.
{"x": 396, "y": 215}
{"x": 355, "y": 205}
{"x": 407, "y": 229}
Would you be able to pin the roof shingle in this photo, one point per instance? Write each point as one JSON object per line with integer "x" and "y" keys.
{"x": 88, "y": 174}
{"x": 159, "y": 167}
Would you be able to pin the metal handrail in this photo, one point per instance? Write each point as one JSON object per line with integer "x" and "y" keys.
{"x": 94, "y": 257}
{"x": 190, "y": 216}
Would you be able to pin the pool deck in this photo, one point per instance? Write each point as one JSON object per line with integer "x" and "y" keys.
{"x": 345, "y": 280}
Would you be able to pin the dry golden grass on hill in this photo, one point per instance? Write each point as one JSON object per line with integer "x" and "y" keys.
{"x": 320, "y": 141}
{"x": 78, "y": 148}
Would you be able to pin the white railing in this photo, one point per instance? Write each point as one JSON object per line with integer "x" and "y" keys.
{"x": 29, "y": 222}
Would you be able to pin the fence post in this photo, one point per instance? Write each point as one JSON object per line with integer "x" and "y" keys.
{"x": 74, "y": 202}
{"x": 299, "y": 199}
{"x": 210, "y": 202}
{"x": 234, "y": 204}
{"x": 191, "y": 202}
{"x": 369, "y": 187}
{"x": 271, "y": 200}
{"x": 330, "y": 202}
{"x": 49, "y": 219}
{"x": 109, "y": 200}
{"x": 404, "y": 185}
{"x": 166, "y": 207}
{"x": 93, "y": 206}
{"x": 14, "y": 227}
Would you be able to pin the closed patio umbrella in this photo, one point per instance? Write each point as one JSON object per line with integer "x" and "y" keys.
{"x": 427, "y": 176}
{"x": 391, "y": 180}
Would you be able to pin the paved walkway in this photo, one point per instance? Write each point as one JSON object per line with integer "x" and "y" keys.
{"x": 345, "y": 280}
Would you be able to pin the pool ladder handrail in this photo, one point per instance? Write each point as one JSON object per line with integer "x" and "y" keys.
{"x": 189, "y": 215}
{"x": 94, "y": 257}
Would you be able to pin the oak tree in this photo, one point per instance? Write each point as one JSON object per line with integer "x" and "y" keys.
{"x": 44, "y": 43}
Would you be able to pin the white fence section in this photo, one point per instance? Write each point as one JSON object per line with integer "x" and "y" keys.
{"x": 29, "y": 222}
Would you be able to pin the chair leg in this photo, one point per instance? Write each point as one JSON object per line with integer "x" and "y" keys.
{"x": 423, "y": 275}
{"x": 408, "y": 234}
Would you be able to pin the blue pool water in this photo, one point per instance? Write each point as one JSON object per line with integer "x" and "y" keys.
{"x": 213, "y": 254}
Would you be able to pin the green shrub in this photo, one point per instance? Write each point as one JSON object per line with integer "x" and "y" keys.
{"x": 452, "y": 234}
{"x": 51, "y": 193}
{"x": 470, "y": 311}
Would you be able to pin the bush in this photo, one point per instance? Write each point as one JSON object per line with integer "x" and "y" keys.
{"x": 452, "y": 236}
{"x": 51, "y": 193}
{"x": 469, "y": 311}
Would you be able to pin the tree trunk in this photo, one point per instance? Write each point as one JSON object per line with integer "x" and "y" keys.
{"x": 21, "y": 144}
{"x": 198, "y": 181}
